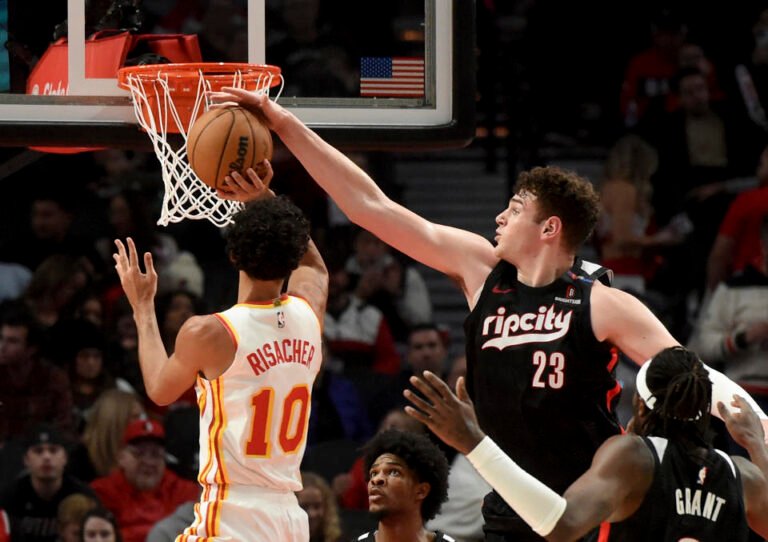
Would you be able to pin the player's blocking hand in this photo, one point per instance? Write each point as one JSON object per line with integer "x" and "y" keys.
{"x": 254, "y": 188}
{"x": 449, "y": 416}
{"x": 744, "y": 426}
{"x": 139, "y": 287}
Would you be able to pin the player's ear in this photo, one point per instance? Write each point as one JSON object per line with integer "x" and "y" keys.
{"x": 552, "y": 226}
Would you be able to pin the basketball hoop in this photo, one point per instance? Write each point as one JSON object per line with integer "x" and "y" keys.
{"x": 167, "y": 99}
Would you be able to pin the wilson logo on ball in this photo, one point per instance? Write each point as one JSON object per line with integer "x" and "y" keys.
{"x": 242, "y": 150}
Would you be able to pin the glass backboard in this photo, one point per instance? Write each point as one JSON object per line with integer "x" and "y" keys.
{"x": 342, "y": 63}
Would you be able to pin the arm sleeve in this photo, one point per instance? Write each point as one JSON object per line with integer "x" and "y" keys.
{"x": 723, "y": 389}
{"x": 538, "y": 505}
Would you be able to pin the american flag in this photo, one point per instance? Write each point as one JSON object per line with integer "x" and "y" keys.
{"x": 392, "y": 76}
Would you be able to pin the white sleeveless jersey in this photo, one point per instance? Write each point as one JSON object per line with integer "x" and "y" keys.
{"x": 254, "y": 417}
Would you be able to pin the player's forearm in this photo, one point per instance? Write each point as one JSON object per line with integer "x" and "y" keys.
{"x": 152, "y": 354}
{"x": 758, "y": 454}
{"x": 349, "y": 186}
{"x": 723, "y": 390}
{"x": 538, "y": 505}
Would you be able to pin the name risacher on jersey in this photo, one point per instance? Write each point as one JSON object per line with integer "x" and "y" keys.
{"x": 274, "y": 353}
{"x": 545, "y": 325}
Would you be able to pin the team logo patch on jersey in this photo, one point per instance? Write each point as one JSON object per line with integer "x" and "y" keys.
{"x": 570, "y": 295}
{"x": 280, "y": 319}
{"x": 702, "y": 476}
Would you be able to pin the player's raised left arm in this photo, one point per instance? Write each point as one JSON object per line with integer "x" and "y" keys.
{"x": 164, "y": 379}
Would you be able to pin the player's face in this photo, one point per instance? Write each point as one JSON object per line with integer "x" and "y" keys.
{"x": 98, "y": 530}
{"x": 518, "y": 229}
{"x": 46, "y": 462}
{"x": 311, "y": 500}
{"x": 143, "y": 464}
{"x": 393, "y": 487}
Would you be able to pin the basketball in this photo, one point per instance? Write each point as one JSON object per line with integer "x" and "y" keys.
{"x": 225, "y": 140}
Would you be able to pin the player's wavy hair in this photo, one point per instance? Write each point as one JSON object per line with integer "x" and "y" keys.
{"x": 564, "y": 194}
{"x": 682, "y": 390}
{"x": 421, "y": 455}
{"x": 268, "y": 238}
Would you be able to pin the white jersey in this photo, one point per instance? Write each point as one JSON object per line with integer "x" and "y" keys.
{"x": 254, "y": 417}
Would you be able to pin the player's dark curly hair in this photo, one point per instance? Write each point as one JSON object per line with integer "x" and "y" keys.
{"x": 268, "y": 238}
{"x": 683, "y": 391}
{"x": 421, "y": 455}
{"x": 564, "y": 194}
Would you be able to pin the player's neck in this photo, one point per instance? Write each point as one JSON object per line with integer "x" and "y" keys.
{"x": 543, "y": 268}
{"x": 400, "y": 528}
{"x": 250, "y": 290}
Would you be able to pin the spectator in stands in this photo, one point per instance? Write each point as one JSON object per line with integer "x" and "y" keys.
{"x": 14, "y": 279}
{"x": 407, "y": 484}
{"x": 701, "y": 146}
{"x": 100, "y": 525}
{"x": 142, "y": 491}
{"x": 82, "y": 346}
{"x": 50, "y": 220}
{"x": 169, "y": 528}
{"x": 738, "y": 241}
{"x": 647, "y": 80}
{"x": 750, "y": 81}
{"x": 102, "y": 439}
{"x": 427, "y": 351}
{"x": 32, "y": 502}
{"x": 319, "y": 502}
{"x": 357, "y": 333}
{"x": 32, "y": 389}
{"x": 350, "y": 487}
{"x": 55, "y": 286}
{"x": 734, "y": 326}
{"x": 338, "y": 411}
{"x": 461, "y": 514}
{"x": 386, "y": 282}
{"x": 70, "y": 516}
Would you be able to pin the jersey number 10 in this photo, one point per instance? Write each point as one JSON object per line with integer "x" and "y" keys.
{"x": 292, "y": 430}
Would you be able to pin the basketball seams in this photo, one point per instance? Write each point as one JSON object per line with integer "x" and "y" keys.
{"x": 198, "y": 135}
{"x": 225, "y": 148}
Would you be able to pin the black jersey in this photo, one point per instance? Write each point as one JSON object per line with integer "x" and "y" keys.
{"x": 689, "y": 499}
{"x": 542, "y": 384}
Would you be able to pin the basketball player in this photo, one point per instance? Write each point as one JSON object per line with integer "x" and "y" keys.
{"x": 253, "y": 366}
{"x": 668, "y": 484}
{"x": 543, "y": 333}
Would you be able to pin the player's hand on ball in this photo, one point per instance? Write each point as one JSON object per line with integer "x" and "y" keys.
{"x": 450, "y": 417}
{"x": 238, "y": 188}
{"x": 139, "y": 287}
{"x": 260, "y": 105}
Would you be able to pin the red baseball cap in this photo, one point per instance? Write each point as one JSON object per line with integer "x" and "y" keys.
{"x": 143, "y": 429}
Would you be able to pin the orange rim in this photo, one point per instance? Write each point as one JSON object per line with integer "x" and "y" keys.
{"x": 190, "y": 71}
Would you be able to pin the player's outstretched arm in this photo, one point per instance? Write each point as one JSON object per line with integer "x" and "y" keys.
{"x": 462, "y": 255}
{"x": 746, "y": 429}
{"x": 612, "y": 489}
{"x": 622, "y": 320}
{"x": 164, "y": 379}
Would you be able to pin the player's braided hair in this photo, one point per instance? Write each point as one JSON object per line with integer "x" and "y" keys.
{"x": 683, "y": 392}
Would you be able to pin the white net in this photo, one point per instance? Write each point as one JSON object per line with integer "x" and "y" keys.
{"x": 186, "y": 196}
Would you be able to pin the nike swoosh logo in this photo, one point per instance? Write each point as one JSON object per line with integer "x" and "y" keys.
{"x": 497, "y": 290}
